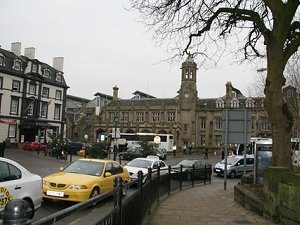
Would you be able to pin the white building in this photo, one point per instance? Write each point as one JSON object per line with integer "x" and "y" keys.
{"x": 32, "y": 96}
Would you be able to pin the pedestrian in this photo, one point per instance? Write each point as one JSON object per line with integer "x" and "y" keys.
{"x": 222, "y": 154}
{"x": 206, "y": 153}
{"x": 174, "y": 150}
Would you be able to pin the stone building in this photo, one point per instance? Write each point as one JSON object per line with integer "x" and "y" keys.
{"x": 192, "y": 120}
{"x": 81, "y": 116}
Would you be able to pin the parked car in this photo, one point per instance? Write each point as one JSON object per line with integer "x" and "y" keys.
{"x": 132, "y": 154}
{"x": 235, "y": 165}
{"x": 187, "y": 168}
{"x": 74, "y": 147}
{"x": 83, "y": 179}
{"x": 34, "y": 145}
{"x": 161, "y": 153}
{"x": 143, "y": 164}
{"x": 16, "y": 182}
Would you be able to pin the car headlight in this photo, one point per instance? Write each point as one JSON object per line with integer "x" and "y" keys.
{"x": 45, "y": 183}
{"x": 78, "y": 187}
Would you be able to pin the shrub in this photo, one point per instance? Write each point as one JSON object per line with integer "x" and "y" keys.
{"x": 97, "y": 151}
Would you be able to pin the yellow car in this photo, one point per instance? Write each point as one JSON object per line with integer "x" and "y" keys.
{"x": 83, "y": 179}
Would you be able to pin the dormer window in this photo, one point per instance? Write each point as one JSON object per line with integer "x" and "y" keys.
{"x": 59, "y": 77}
{"x": 17, "y": 64}
{"x": 249, "y": 103}
{"x": 234, "y": 103}
{"x": 2, "y": 60}
{"x": 34, "y": 68}
{"x": 220, "y": 103}
{"x": 234, "y": 94}
{"x": 46, "y": 73}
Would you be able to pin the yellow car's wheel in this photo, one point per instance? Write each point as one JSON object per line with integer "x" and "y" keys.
{"x": 95, "y": 192}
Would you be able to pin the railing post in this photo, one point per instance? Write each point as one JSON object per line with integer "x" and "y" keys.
{"x": 193, "y": 176}
{"x": 140, "y": 190}
{"x": 169, "y": 180}
{"x": 158, "y": 181}
{"x": 180, "y": 180}
{"x": 118, "y": 199}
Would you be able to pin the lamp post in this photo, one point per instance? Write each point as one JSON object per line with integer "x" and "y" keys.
{"x": 115, "y": 149}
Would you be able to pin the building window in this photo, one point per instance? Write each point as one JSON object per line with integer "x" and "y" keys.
{"x": 31, "y": 89}
{"x": 218, "y": 139}
{"x": 12, "y": 130}
{"x": 34, "y": 68}
{"x": 14, "y": 105}
{"x": 140, "y": 116}
{"x": 234, "y": 103}
{"x": 202, "y": 139}
{"x": 1, "y": 82}
{"x": 2, "y": 60}
{"x": 171, "y": 116}
{"x": 218, "y": 123}
{"x": 289, "y": 93}
{"x": 220, "y": 103}
{"x": 202, "y": 123}
{"x": 16, "y": 85}
{"x": 44, "y": 109}
{"x": 112, "y": 116}
{"x": 30, "y": 109}
{"x": 59, "y": 77}
{"x": 265, "y": 125}
{"x": 45, "y": 92}
{"x": 57, "y": 112}
{"x": 46, "y": 73}
{"x": 125, "y": 117}
{"x": 58, "y": 95}
{"x": 185, "y": 128}
{"x": 156, "y": 116}
{"x": 249, "y": 103}
{"x": 17, "y": 65}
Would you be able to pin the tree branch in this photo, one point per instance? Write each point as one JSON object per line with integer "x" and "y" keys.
{"x": 235, "y": 15}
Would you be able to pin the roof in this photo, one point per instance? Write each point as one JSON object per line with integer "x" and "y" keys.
{"x": 139, "y": 94}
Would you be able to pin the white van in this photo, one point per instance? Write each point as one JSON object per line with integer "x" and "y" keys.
{"x": 235, "y": 165}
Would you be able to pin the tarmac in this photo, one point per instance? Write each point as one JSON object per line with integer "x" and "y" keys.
{"x": 206, "y": 204}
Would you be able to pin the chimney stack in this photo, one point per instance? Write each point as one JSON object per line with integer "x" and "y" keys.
{"x": 16, "y": 48}
{"x": 115, "y": 93}
{"x": 58, "y": 63}
{"x": 30, "y": 52}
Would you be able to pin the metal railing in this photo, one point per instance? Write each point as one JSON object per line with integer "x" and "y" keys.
{"x": 148, "y": 189}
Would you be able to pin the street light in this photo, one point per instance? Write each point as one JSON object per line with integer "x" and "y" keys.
{"x": 115, "y": 149}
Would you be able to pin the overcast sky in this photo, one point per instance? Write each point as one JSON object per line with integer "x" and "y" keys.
{"x": 104, "y": 45}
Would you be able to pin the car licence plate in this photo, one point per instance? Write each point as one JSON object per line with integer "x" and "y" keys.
{"x": 217, "y": 170}
{"x": 55, "y": 193}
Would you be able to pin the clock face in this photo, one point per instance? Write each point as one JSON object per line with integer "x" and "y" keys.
{"x": 186, "y": 95}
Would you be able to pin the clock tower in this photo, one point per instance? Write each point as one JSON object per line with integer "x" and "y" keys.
{"x": 187, "y": 102}
{"x": 188, "y": 89}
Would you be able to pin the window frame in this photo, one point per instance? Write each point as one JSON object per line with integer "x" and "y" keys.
{"x": 16, "y": 85}
{"x": 15, "y": 106}
{"x": 58, "y": 95}
{"x": 45, "y": 89}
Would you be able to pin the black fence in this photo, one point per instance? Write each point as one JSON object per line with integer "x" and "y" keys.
{"x": 130, "y": 210}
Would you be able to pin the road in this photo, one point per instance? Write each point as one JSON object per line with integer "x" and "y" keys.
{"x": 43, "y": 166}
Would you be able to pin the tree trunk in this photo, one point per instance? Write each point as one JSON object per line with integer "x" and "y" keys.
{"x": 280, "y": 117}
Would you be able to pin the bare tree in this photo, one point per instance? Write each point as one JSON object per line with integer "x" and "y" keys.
{"x": 268, "y": 28}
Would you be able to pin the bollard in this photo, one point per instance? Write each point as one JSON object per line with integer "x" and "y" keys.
{"x": 16, "y": 212}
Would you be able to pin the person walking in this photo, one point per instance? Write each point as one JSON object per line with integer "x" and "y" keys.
{"x": 222, "y": 154}
{"x": 206, "y": 153}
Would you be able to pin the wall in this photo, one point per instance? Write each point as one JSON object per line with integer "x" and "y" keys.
{"x": 282, "y": 195}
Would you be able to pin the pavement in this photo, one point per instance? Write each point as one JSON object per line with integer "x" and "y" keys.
{"x": 206, "y": 204}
